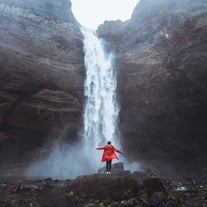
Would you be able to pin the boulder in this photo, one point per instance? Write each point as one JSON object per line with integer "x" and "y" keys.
{"x": 116, "y": 168}
{"x": 156, "y": 193}
{"x": 100, "y": 187}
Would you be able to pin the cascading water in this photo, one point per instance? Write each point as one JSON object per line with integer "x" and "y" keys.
{"x": 101, "y": 109}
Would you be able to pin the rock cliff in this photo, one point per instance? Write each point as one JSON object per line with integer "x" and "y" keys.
{"x": 41, "y": 73}
{"x": 161, "y": 63}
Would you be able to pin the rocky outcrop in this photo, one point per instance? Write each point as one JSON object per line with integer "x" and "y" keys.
{"x": 41, "y": 72}
{"x": 103, "y": 186}
{"x": 116, "y": 168}
{"x": 99, "y": 191}
{"x": 162, "y": 80}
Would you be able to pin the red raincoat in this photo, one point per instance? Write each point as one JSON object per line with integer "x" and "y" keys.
{"x": 109, "y": 152}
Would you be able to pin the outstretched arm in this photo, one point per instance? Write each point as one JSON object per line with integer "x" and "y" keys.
{"x": 99, "y": 148}
{"x": 119, "y": 151}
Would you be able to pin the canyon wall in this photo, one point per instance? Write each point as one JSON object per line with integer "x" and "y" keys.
{"x": 42, "y": 75}
{"x": 161, "y": 60}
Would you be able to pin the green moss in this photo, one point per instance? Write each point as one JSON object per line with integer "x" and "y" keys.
{"x": 130, "y": 202}
{"x": 101, "y": 205}
{"x": 124, "y": 203}
{"x": 96, "y": 201}
{"x": 69, "y": 193}
{"x": 127, "y": 193}
{"x": 14, "y": 203}
{"x": 115, "y": 204}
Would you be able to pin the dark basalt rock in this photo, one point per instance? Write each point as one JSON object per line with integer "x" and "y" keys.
{"x": 156, "y": 193}
{"x": 42, "y": 75}
{"x": 99, "y": 190}
{"x": 116, "y": 168}
{"x": 99, "y": 187}
{"x": 161, "y": 67}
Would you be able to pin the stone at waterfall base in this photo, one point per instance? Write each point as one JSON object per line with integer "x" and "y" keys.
{"x": 117, "y": 168}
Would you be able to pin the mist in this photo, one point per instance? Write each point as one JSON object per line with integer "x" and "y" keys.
{"x": 67, "y": 161}
{"x": 63, "y": 162}
{"x": 38, "y": 10}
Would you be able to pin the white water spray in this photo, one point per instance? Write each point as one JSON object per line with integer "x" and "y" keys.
{"x": 101, "y": 109}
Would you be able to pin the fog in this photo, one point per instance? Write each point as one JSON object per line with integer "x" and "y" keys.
{"x": 67, "y": 161}
{"x": 92, "y": 13}
{"x": 63, "y": 162}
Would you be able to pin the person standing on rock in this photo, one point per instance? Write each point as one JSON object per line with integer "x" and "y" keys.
{"x": 108, "y": 155}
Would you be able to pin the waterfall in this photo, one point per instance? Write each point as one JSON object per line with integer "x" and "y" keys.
{"x": 101, "y": 108}
{"x": 100, "y": 119}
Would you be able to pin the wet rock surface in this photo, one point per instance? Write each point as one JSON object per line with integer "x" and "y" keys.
{"x": 116, "y": 168}
{"x": 162, "y": 78}
{"x": 103, "y": 191}
{"x": 41, "y": 72}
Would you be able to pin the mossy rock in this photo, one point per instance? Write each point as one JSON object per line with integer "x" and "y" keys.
{"x": 172, "y": 203}
{"x": 104, "y": 186}
{"x": 151, "y": 185}
{"x": 156, "y": 193}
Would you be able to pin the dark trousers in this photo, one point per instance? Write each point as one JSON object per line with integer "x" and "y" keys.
{"x": 108, "y": 165}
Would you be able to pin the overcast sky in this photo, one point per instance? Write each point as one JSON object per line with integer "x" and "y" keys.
{"x": 91, "y": 13}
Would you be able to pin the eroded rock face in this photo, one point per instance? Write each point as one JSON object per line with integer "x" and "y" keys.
{"x": 162, "y": 78}
{"x": 41, "y": 73}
